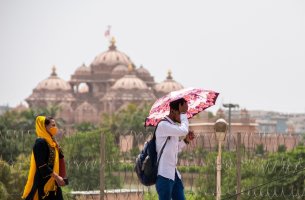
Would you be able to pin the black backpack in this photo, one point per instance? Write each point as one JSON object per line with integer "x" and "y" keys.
{"x": 147, "y": 163}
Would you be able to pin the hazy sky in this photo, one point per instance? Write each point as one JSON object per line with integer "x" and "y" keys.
{"x": 252, "y": 52}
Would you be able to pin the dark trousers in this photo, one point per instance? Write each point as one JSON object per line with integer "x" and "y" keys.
{"x": 168, "y": 189}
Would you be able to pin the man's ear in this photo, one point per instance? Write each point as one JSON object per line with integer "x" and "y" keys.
{"x": 173, "y": 111}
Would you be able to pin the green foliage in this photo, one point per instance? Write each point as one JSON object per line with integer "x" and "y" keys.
{"x": 206, "y": 183}
{"x": 260, "y": 150}
{"x": 8, "y": 120}
{"x": 288, "y": 168}
{"x": 197, "y": 154}
{"x": 128, "y": 167}
{"x": 66, "y": 193}
{"x": 13, "y": 178}
{"x": 189, "y": 169}
{"x": 3, "y": 192}
{"x": 82, "y": 153}
{"x": 17, "y": 133}
{"x": 85, "y": 126}
{"x": 129, "y": 119}
{"x": 150, "y": 195}
{"x": 14, "y": 143}
{"x": 281, "y": 148}
{"x": 25, "y": 120}
{"x": 280, "y": 172}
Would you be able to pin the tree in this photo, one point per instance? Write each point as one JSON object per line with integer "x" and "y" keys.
{"x": 3, "y": 192}
{"x": 13, "y": 178}
{"x": 9, "y": 120}
{"x": 288, "y": 169}
{"x": 25, "y": 120}
{"x": 129, "y": 121}
{"x": 252, "y": 175}
{"x": 85, "y": 127}
{"x": 82, "y": 154}
{"x": 260, "y": 150}
{"x": 281, "y": 148}
{"x": 15, "y": 142}
{"x": 17, "y": 133}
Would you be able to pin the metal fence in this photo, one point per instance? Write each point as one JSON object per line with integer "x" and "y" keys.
{"x": 263, "y": 169}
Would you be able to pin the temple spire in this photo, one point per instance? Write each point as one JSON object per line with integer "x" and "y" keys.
{"x": 169, "y": 74}
{"x": 112, "y": 44}
{"x": 130, "y": 68}
{"x": 54, "y": 71}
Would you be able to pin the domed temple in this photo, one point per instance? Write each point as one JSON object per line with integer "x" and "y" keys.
{"x": 107, "y": 85}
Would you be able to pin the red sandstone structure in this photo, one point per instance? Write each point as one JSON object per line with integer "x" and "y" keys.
{"x": 110, "y": 82}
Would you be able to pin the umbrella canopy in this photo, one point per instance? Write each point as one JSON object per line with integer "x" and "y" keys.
{"x": 198, "y": 100}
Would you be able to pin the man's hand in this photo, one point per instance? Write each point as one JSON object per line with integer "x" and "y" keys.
{"x": 189, "y": 137}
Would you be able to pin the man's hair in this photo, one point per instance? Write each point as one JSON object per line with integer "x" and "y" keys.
{"x": 175, "y": 104}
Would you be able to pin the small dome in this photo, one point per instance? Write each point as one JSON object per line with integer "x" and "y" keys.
{"x": 168, "y": 85}
{"x": 111, "y": 57}
{"x": 82, "y": 70}
{"x": 141, "y": 71}
{"x": 53, "y": 83}
{"x": 129, "y": 81}
{"x": 120, "y": 70}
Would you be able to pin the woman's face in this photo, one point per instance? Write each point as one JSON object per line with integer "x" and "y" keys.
{"x": 52, "y": 128}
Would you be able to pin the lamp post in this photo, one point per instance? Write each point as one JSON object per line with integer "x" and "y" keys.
{"x": 230, "y": 105}
{"x": 220, "y": 129}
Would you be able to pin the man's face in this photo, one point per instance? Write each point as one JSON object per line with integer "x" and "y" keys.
{"x": 176, "y": 113}
{"x": 177, "y": 116}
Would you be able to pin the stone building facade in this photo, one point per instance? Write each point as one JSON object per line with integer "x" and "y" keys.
{"x": 249, "y": 127}
{"x": 108, "y": 84}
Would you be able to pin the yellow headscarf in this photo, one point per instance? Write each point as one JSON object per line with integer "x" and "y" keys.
{"x": 50, "y": 185}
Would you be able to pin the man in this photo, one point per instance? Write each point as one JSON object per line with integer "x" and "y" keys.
{"x": 169, "y": 184}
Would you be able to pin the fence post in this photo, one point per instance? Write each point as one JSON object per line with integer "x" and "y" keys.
{"x": 238, "y": 166}
{"x": 102, "y": 167}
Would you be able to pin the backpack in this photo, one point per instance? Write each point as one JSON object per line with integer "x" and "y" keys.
{"x": 146, "y": 166}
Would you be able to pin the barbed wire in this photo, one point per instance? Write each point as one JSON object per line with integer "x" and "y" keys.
{"x": 192, "y": 162}
{"x": 269, "y": 182}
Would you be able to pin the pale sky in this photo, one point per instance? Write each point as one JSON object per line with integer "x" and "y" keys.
{"x": 251, "y": 52}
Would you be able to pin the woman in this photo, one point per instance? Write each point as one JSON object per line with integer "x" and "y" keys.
{"x": 43, "y": 180}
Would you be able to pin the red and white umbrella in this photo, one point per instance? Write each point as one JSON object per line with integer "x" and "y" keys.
{"x": 198, "y": 100}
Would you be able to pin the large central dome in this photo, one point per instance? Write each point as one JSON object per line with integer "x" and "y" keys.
{"x": 112, "y": 57}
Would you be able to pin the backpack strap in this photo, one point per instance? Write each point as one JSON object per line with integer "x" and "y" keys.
{"x": 164, "y": 119}
{"x": 161, "y": 152}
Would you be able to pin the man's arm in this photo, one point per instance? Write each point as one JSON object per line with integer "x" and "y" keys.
{"x": 168, "y": 129}
{"x": 188, "y": 138}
